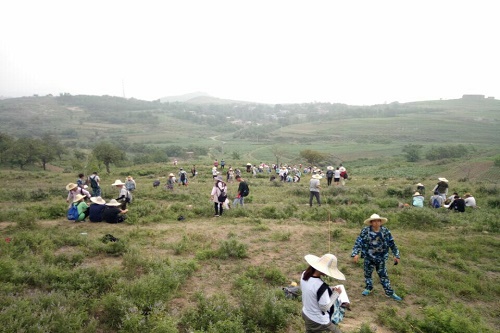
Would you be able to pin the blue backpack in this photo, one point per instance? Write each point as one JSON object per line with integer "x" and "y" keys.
{"x": 73, "y": 213}
{"x": 435, "y": 203}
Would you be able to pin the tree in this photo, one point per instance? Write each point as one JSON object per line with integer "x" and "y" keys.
{"x": 277, "y": 152}
{"x": 6, "y": 143}
{"x": 108, "y": 153}
{"x": 24, "y": 151}
{"x": 312, "y": 156}
{"x": 50, "y": 147}
{"x": 412, "y": 152}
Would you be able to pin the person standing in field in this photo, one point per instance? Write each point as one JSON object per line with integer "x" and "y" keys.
{"x": 193, "y": 170}
{"x": 95, "y": 184}
{"x": 130, "y": 184}
{"x": 336, "y": 176}
{"x": 314, "y": 187}
{"x": 343, "y": 174}
{"x": 329, "y": 175}
{"x": 243, "y": 191}
{"x": 374, "y": 243}
{"x": 441, "y": 187}
{"x": 219, "y": 195}
{"x": 170, "y": 182}
{"x": 81, "y": 181}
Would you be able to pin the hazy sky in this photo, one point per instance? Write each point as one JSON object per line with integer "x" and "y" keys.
{"x": 354, "y": 52}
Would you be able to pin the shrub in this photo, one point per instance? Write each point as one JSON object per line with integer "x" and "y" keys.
{"x": 231, "y": 248}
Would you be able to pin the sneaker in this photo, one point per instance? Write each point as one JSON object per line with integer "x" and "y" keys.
{"x": 395, "y": 297}
{"x": 366, "y": 292}
{"x": 216, "y": 215}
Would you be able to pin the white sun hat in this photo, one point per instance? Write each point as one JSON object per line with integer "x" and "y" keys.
{"x": 375, "y": 217}
{"x": 327, "y": 264}
{"x": 117, "y": 182}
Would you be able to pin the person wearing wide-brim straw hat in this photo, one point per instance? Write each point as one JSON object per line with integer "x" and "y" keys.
{"x": 441, "y": 187}
{"x": 170, "y": 182}
{"x": 374, "y": 243}
{"x": 417, "y": 200}
{"x": 112, "y": 213}
{"x": 421, "y": 188}
{"x": 124, "y": 196}
{"x": 73, "y": 189}
{"x": 314, "y": 187}
{"x": 96, "y": 209}
{"x": 83, "y": 208}
{"x": 320, "y": 301}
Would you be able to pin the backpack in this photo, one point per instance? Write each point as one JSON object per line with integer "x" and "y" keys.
{"x": 73, "y": 213}
{"x": 246, "y": 191}
{"x": 93, "y": 182}
{"x": 344, "y": 174}
{"x": 183, "y": 176}
{"x": 435, "y": 203}
{"x": 223, "y": 195}
{"x": 291, "y": 292}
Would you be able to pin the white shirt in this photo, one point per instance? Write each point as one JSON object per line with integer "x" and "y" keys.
{"x": 470, "y": 202}
{"x": 312, "y": 308}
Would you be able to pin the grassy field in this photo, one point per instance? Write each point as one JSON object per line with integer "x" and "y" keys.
{"x": 206, "y": 274}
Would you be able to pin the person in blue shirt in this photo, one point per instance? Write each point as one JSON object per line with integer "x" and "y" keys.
{"x": 374, "y": 243}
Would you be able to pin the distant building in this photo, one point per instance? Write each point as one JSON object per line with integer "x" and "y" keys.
{"x": 475, "y": 97}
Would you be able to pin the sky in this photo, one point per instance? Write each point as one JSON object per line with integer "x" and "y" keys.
{"x": 269, "y": 51}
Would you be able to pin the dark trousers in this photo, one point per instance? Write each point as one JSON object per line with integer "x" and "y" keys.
{"x": 314, "y": 194}
{"x": 218, "y": 208}
{"x": 329, "y": 181}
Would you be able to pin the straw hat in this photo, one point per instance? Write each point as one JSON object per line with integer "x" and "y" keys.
{"x": 117, "y": 182}
{"x": 316, "y": 176}
{"x": 327, "y": 264}
{"x": 329, "y": 167}
{"x": 98, "y": 200}
{"x": 71, "y": 186}
{"x": 375, "y": 217}
{"x": 78, "y": 197}
{"x": 113, "y": 202}
{"x": 171, "y": 175}
{"x": 442, "y": 179}
{"x": 420, "y": 184}
{"x": 416, "y": 194}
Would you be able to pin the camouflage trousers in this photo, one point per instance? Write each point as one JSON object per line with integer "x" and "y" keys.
{"x": 369, "y": 266}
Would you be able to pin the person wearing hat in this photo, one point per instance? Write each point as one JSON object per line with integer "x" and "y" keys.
{"x": 83, "y": 208}
{"x": 421, "y": 188}
{"x": 374, "y": 243}
{"x": 329, "y": 175}
{"x": 470, "y": 201}
{"x": 441, "y": 187}
{"x": 319, "y": 301}
{"x": 418, "y": 200}
{"x": 73, "y": 189}
{"x": 96, "y": 209}
{"x": 336, "y": 176}
{"x": 218, "y": 195}
{"x": 183, "y": 177}
{"x": 112, "y": 213}
{"x": 130, "y": 184}
{"x": 170, "y": 182}
{"x": 124, "y": 196}
{"x": 314, "y": 187}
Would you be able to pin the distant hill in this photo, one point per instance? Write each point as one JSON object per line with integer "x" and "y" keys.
{"x": 184, "y": 97}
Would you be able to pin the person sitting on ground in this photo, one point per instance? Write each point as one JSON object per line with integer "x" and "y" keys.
{"x": 130, "y": 184}
{"x": 96, "y": 209}
{"x": 436, "y": 200}
{"x": 83, "y": 208}
{"x": 458, "y": 204}
{"x": 421, "y": 188}
{"x": 470, "y": 201}
{"x": 418, "y": 200}
{"x": 320, "y": 302}
{"x": 73, "y": 190}
{"x": 113, "y": 214}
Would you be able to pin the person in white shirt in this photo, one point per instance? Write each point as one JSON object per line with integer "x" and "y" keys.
{"x": 470, "y": 201}
{"x": 318, "y": 298}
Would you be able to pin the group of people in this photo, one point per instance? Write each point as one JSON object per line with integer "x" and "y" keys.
{"x": 219, "y": 194}
{"x": 440, "y": 197}
{"x": 99, "y": 210}
{"x": 323, "y": 306}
